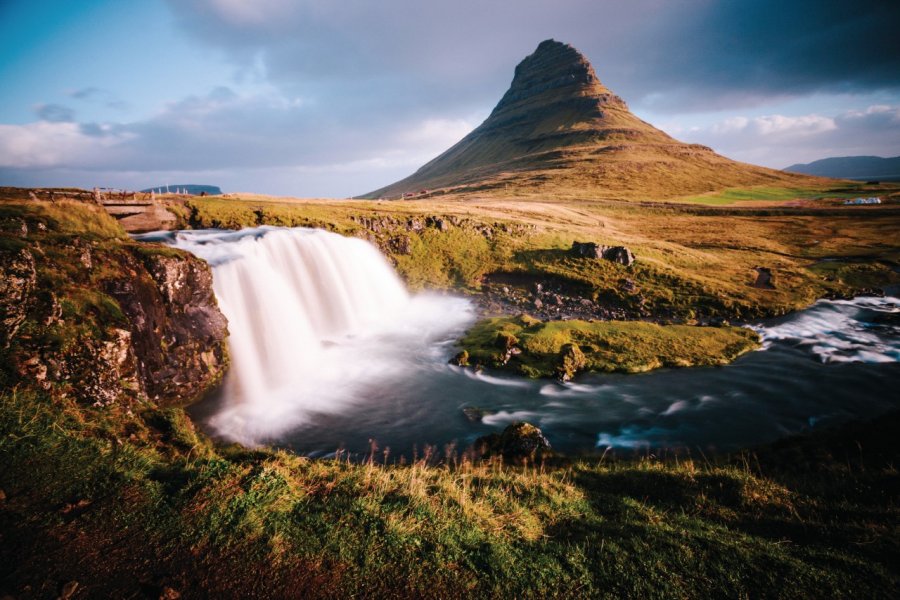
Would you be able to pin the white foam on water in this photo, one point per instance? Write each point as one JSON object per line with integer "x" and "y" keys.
{"x": 504, "y": 417}
{"x": 315, "y": 319}
{"x": 840, "y": 331}
{"x": 675, "y": 407}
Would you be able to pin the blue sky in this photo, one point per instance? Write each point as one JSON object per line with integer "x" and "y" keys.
{"x": 323, "y": 98}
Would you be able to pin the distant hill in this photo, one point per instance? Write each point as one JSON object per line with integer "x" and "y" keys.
{"x": 559, "y": 131}
{"x": 186, "y": 188}
{"x": 852, "y": 167}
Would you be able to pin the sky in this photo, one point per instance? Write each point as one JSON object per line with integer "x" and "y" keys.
{"x": 325, "y": 98}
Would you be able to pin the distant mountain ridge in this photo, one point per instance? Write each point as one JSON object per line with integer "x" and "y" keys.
{"x": 851, "y": 167}
{"x": 558, "y": 130}
{"x": 193, "y": 189}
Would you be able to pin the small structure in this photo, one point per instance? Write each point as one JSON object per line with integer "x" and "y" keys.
{"x": 858, "y": 201}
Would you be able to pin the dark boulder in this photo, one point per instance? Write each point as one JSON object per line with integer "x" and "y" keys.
{"x": 587, "y": 249}
{"x": 619, "y": 254}
{"x": 518, "y": 442}
{"x": 571, "y": 360}
{"x": 763, "y": 279}
{"x": 616, "y": 254}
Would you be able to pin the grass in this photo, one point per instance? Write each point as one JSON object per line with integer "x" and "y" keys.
{"x": 690, "y": 266}
{"x": 779, "y": 194}
{"x": 153, "y": 503}
{"x": 563, "y": 348}
{"x": 131, "y": 499}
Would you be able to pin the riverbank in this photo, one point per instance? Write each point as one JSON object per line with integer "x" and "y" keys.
{"x": 155, "y": 508}
{"x": 108, "y": 491}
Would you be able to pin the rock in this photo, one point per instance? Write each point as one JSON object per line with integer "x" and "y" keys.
{"x": 519, "y": 441}
{"x": 177, "y": 329}
{"x": 2, "y": 496}
{"x": 587, "y": 249}
{"x": 17, "y": 282}
{"x": 400, "y": 245}
{"x": 85, "y": 258}
{"x": 461, "y": 359}
{"x": 619, "y": 254}
{"x": 616, "y": 254}
{"x": 763, "y": 279}
{"x": 101, "y": 370}
{"x": 438, "y": 223}
{"x": 505, "y": 341}
{"x": 475, "y": 414}
{"x": 571, "y": 360}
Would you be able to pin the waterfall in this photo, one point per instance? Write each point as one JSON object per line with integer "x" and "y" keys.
{"x": 314, "y": 319}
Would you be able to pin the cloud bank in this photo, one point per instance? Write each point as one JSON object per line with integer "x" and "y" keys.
{"x": 338, "y": 98}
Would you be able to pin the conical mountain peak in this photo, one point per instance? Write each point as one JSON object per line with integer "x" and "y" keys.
{"x": 553, "y": 67}
{"x": 558, "y": 129}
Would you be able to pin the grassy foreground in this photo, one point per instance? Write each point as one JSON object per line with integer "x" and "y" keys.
{"x": 136, "y": 503}
{"x": 564, "y": 348}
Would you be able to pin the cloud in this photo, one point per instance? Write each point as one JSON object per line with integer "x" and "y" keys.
{"x": 54, "y": 113}
{"x": 689, "y": 55}
{"x": 47, "y": 144}
{"x": 372, "y": 90}
{"x": 99, "y": 95}
{"x": 779, "y": 140}
{"x": 264, "y": 136}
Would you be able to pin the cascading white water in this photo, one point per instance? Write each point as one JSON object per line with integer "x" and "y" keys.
{"x": 314, "y": 318}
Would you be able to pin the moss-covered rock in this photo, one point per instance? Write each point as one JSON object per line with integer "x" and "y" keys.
{"x": 561, "y": 349}
{"x": 571, "y": 361}
{"x": 518, "y": 442}
{"x": 90, "y": 314}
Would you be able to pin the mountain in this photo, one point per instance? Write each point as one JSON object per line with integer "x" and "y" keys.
{"x": 192, "y": 189}
{"x": 852, "y": 167}
{"x": 559, "y": 130}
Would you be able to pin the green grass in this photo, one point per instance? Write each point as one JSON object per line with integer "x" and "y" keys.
{"x": 562, "y": 348}
{"x": 773, "y": 194}
{"x": 151, "y": 496}
{"x": 690, "y": 267}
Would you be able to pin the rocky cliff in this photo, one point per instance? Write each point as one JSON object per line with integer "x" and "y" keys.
{"x": 86, "y": 312}
{"x": 559, "y": 130}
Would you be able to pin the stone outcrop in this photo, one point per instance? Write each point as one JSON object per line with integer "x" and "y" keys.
{"x": 518, "y": 442}
{"x": 177, "y": 328}
{"x": 571, "y": 361}
{"x": 616, "y": 254}
{"x": 106, "y": 320}
{"x": 17, "y": 283}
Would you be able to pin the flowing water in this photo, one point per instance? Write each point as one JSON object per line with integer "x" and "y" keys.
{"x": 330, "y": 352}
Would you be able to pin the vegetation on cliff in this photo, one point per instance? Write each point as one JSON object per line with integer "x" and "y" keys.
{"x": 87, "y": 312}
